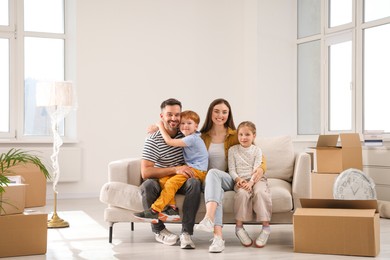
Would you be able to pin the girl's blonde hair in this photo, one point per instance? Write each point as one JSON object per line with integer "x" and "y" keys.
{"x": 248, "y": 124}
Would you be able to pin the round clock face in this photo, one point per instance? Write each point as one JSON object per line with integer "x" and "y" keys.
{"x": 353, "y": 184}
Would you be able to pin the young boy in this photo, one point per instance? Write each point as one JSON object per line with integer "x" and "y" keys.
{"x": 195, "y": 155}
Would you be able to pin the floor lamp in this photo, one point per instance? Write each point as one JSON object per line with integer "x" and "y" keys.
{"x": 58, "y": 99}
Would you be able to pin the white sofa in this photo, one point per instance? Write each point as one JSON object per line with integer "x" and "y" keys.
{"x": 288, "y": 176}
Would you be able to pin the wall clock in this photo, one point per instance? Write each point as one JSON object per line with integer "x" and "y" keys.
{"x": 353, "y": 184}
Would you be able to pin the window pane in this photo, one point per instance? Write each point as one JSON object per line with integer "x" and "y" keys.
{"x": 309, "y": 17}
{"x": 309, "y": 86}
{"x": 377, "y": 78}
{"x": 4, "y": 85}
{"x": 44, "y": 60}
{"x": 4, "y": 12}
{"x": 340, "y": 12}
{"x": 340, "y": 91}
{"x": 44, "y": 16}
{"x": 376, "y": 9}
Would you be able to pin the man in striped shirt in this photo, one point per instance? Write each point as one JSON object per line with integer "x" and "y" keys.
{"x": 160, "y": 160}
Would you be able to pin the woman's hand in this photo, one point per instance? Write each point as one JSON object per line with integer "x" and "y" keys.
{"x": 257, "y": 175}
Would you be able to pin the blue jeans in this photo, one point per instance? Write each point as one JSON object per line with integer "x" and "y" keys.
{"x": 150, "y": 191}
{"x": 217, "y": 182}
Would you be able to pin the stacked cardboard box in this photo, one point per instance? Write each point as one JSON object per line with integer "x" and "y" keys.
{"x": 331, "y": 159}
{"x": 344, "y": 227}
{"x": 36, "y": 184}
{"x": 23, "y": 233}
{"x": 13, "y": 199}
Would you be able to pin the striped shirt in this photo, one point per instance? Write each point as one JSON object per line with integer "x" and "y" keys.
{"x": 161, "y": 154}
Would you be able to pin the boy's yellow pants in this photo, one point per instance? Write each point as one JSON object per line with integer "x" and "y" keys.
{"x": 170, "y": 185}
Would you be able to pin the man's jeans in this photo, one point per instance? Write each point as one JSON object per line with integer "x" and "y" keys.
{"x": 150, "y": 191}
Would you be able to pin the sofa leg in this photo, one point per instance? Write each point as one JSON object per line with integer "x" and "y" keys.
{"x": 132, "y": 226}
{"x": 110, "y": 233}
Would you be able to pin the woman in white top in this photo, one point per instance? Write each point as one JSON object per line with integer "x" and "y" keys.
{"x": 219, "y": 134}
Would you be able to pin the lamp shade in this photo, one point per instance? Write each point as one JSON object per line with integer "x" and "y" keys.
{"x": 57, "y": 93}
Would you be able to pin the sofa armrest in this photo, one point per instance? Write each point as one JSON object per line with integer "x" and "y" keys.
{"x": 301, "y": 184}
{"x": 125, "y": 170}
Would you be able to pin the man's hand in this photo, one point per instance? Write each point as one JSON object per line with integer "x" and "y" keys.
{"x": 185, "y": 170}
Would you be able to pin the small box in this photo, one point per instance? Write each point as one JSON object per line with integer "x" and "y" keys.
{"x": 331, "y": 158}
{"x": 322, "y": 185}
{"x": 13, "y": 199}
{"x": 17, "y": 179}
{"x": 36, "y": 189}
{"x": 342, "y": 227}
{"x": 373, "y": 138}
{"x": 23, "y": 234}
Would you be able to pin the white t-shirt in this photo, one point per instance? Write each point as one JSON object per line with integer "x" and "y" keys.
{"x": 217, "y": 159}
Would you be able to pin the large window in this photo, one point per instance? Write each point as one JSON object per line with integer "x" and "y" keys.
{"x": 33, "y": 48}
{"x": 343, "y": 66}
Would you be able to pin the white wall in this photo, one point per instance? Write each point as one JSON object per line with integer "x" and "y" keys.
{"x": 131, "y": 55}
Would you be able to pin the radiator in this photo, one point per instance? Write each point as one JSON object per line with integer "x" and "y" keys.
{"x": 69, "y": 159}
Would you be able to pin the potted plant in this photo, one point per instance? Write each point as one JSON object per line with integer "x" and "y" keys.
{"x": 16, "y": 157}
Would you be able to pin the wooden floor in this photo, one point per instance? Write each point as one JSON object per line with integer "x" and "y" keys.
{"x": 87, "y": 238}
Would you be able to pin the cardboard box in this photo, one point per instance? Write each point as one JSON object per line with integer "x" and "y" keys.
{"x": 13, "y": 199}
{"x": 36, "y": 189}
{"x": 23, "y": 234}
{"x": 322, "y": 185}
{"x": 342, "y": 227}
{"x": 331, "y": 158}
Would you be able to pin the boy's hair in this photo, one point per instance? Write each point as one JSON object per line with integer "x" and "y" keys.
{"x": 190, "y": 115}
{"x": 248, "y": 124}
{"x": 170, "y": 102}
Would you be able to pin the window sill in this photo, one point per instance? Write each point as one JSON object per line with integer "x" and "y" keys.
{"x": 36, "y": 141}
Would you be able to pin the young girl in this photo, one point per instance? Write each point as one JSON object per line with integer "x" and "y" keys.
{"x": 252, "y": 195}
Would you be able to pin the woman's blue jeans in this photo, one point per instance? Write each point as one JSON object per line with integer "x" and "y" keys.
{"x": 217, "y": 182}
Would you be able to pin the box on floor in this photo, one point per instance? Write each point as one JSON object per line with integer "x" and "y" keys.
{"x": 23, "y": 234}
{"x": 342, "y": 227}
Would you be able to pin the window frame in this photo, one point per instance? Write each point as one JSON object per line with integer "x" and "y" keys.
{"x": 356, "y": 28}
{"x": 16, "y": 34}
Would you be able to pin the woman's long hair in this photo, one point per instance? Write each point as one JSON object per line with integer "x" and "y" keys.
{"x": 208, "y": 123}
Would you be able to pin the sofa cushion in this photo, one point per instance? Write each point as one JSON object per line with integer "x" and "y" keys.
{"x": 279, "y": 155}
{"x": 281, "y": 195}
{"x": 122, "y": 195}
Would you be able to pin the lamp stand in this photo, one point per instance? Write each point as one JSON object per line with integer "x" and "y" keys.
{"x": 56, "y": 116}
{"x": 57, "y": 98}
{"x": 56, "y": 221}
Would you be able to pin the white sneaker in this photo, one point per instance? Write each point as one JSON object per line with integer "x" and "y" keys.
{"x": 205, "y": 225}
{"x": 244, "y": 237}
{"x": 166, "y": 237}
{"x": 261, "y": 240}
{"x": 186, "y": 241}
{"x": 217, "y": 246}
